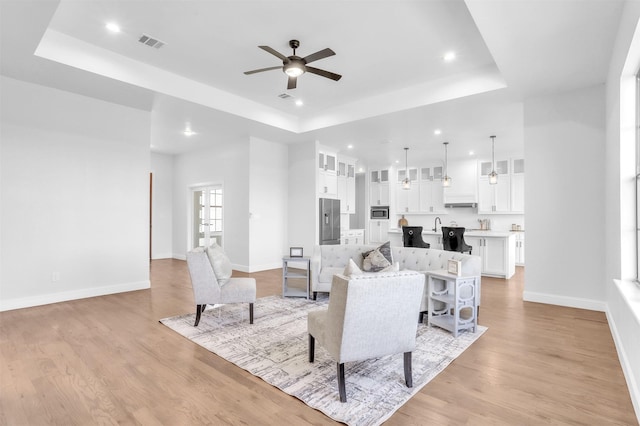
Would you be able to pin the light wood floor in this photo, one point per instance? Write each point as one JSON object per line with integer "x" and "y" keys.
{"x": 107, "y": 360}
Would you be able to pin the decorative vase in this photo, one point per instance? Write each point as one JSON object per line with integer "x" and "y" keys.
{"x": 402, "y": 222}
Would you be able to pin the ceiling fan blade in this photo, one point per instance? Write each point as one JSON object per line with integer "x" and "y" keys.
{"x": 292, "y": 83}
{"x": 318, "y": 55}
{"x": 263, "y": 69}
{"x": 275, "y": 53}
{"x": 323, "y": 73}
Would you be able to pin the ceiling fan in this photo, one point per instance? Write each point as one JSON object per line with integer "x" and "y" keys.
{"x": 294, "y": 66}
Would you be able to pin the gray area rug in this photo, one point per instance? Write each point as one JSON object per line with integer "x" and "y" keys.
{"x": 275, "y": 348}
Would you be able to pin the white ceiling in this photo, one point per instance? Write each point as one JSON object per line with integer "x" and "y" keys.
{"x": 396, "y": 88}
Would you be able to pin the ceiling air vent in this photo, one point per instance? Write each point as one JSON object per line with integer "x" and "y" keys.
{"x": 284, "y": 96}
{"x": 151, "y": 41}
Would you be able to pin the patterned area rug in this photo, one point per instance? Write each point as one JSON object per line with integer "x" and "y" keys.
{"x": 275, "y": 348}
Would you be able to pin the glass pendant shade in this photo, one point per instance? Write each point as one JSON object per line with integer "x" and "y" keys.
{"x": 493, "y": 176}
{"x": 406, "y": 182}
{"x": 446, "y": 180}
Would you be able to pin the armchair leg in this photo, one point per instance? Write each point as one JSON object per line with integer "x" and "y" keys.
{"x": 407, "y": 370}
{"x": 341, "y": 386}
{"x": 315, "y": 295}
{"x": 199, "y": 310}
{"x": 312, "y": 348}
{"x": 250, "y": 313}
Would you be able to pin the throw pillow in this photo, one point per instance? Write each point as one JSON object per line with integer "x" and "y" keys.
{"x": 220, "y": 263}
{"x": 351, "y": 269}
{"x": 378, "y": 259}
{"x": 394, "y": 267}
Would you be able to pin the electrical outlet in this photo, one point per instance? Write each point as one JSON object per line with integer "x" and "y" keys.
{"x": 55, "y": 276}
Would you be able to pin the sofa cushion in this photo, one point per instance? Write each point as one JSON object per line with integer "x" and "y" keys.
{"x": 378, "y": 259}
{"x": 326, "y": 274}
{"x": 220, "y": 263}
{"x": 351, "y": 269}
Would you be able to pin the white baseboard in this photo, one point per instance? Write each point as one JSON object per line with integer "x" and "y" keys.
{"x": 258, "y": 268}
{"x": 570, "y": 302}
{"x": 179, "y": 256}
{"x": 45, "y": 299}
{"x": 162, "y": 256}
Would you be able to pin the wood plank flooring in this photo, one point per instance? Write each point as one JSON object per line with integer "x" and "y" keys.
{"x": 107, "y": 360}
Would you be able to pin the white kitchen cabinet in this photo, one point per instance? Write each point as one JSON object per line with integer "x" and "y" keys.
{"x": 497, "y": 254}
{"x": 494, "y": 198}
{"x": 379, "y": 187}
{"x": 520, "y": 248}
{"x": 327, "y": 184}
{"x": 431, "y": 199}
{"x": 408, "y": 200}
{"x": 346, "y": 181}
{"x": 507, "y": 196}
{"x": 378, "y": 231}
{"x": 327, "y": 175}
{"x": 434, "y": 240}
{"x": 352, "y": 236}
{"x": 327, "y": 161}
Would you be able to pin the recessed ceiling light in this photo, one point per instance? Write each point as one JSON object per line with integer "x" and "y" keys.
{"x": 187, "y": 130}
{"x": 113, "y": 27}
{"x": 299, "y": 102}
{"x": 472, "y": 153}
{"x": 449, "y": 56}
{"x": 397, "y": 161}
{"x": 350, "y": 146}
{"x": 437, "y": 131}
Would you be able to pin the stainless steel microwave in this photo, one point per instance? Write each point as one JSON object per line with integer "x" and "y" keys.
{"x": 379, "y": 212}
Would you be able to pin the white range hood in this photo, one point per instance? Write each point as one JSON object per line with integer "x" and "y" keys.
{"x": 463, "y": 191}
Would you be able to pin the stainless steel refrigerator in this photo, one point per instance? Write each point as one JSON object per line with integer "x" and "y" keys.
{"x": 329, "y": 221}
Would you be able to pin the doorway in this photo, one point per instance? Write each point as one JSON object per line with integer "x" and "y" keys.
{"x": 207, "y": 219}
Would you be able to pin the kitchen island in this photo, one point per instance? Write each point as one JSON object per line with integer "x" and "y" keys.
{"x": 496, "y": 248}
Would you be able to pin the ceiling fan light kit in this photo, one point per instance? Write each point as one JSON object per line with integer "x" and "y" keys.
{"x": 294, "y": 66}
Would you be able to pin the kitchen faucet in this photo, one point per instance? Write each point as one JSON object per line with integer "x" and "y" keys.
{"x": 435, "y": 224}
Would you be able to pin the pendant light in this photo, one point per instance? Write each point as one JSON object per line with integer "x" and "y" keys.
{"x": 493, "y": 176}
{"x": 406, "y": 183}
{"x": 446, "y": 180}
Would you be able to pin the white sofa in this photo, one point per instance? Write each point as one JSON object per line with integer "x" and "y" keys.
{"x": 328, "y": 260}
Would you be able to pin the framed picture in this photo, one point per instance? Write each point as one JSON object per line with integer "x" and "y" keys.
{"x": 455, "y": 267}
{"x": 295, "y": 252}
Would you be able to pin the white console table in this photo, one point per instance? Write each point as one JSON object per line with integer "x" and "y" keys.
{"x": 449, "y": 296}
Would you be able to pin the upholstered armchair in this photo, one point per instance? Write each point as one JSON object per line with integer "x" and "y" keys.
{"x": 210, "y": 272}
{"x": 368, "y": 316}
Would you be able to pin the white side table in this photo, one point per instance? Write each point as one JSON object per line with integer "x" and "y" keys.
{"x": 449, "y": 295}
{"x": 288, "y": 273}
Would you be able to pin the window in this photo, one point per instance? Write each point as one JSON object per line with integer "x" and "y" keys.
{"x": 207, "y": 216}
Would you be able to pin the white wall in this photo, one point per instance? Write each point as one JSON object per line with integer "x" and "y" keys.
{"x": 564, "y": 149}
{"x": 268, "y": 205}
{"x": 74, "y": 191}
{"x": 162, "y": 206}
{"x": 303, "y": 200}
{"x": 623, "y": 296}
{"x": 225, "y": 163}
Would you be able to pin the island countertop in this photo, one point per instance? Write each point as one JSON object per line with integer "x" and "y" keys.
{"x": 469, "y": 232}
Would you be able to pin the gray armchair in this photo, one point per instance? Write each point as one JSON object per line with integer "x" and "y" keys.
{"x": 369, "y": 316}
{"x": 208, "y": 290}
